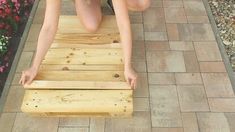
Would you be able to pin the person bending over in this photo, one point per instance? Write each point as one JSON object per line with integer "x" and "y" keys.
{"x": 89, "y": 12}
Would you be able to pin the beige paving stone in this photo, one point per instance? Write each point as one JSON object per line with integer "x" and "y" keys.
{"x": 217, "y": 85}
{"x": 25, "y": 61}
{"x": 30, "y": 47}
{"x": 137, "y": 31}
{"x": 207, "y": 51}
{"x": 139, "y": 66}
{"x": 141, "y": 104}
{"x": 40, "y": 13}
{"x": 142, "y": 89}
{"x": 97, "y": 124}
{"x": 27, "y": 123}
{"x": 34, "y": 32}
{"x": 155, "y": 36}
{"x": 212, "y": 122}
{"x": 190, "y": 122}
{"x": 222, "y": 104}
{"x": 197, "y": 19}
{"x": 68, "y": 8}
{"x": 161, "y": 78}
{"x": 191, "y": 62}
{"x": 14, "y": 99}
{"x": 165, "y": 61}
{"x": 16, "y": 79}
{"x": 157, "y": 45}
{"x": 42, "y": 4}
{"x": 188, "y": 78}
{"x": 156, "y": 3}
{"x": 195, "y": 32}
{"x": 167, "y": 130}
{"x": 172, "y": 31}
{"x": 212, "y": 67}
{"x": 192, "y": 98}
{"x": 138, "y": 51}
{"x": 136, "y": 17}
{"x": 194, "y": 8}
{"x": 140, "y": 122}
{"x": 72, "y": 129}
{"x": 173, "y": 3}
{"x": 175, "y": 15}
{"x": 74, "y": 121}
{"x": 154, "y": 20}
{"x": 165, "y": 109}
{"x": 181, "y": 45}
{"x": 7, "y": 121}
{"x": 231, "y": 120}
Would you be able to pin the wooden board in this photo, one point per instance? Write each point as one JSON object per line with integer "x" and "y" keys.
{"x": 92, "y": 39}
{"x": 70, "y": 67}
{"x": 77, "y": 102}
{"x": 82, "y": 74}
{"x": 117, "y": 76}
{"x": 45, "y": 84}
{"x": 57, "y": 45}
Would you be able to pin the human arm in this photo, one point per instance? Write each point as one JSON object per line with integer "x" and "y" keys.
{"x": 123, "y": 22}
{"x": 45, "y": 39}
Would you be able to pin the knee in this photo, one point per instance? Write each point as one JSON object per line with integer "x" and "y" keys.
{"x": 145, "y": 4}
{"x": 142, "y": 5}
{"x": 91, "y": 26}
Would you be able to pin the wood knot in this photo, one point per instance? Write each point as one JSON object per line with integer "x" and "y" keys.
{"x": 71, "y": 54}
{"x": 116, "y": 75}
{"x": 68, "y": 61}
{"x": 84, "y": 63}
{"x": 65, "y": 68}
{"x": 115, "y": 41}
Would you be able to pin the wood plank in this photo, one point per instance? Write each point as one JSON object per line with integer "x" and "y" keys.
{"x": 83, "y": 56}
{"x": 56, "y": 45}
{"x": 70, "y": 67}
{"x": 78, "y": 101}
{"x": 117, "y": 76}
{"x": 83, "y": 60}
{"x": 83, "y": 51}
{"x": 95, "y": 38}
{"x": 71, "y": 24}
{"x": 128, "y": 115}
{"x": 44, "y": 84}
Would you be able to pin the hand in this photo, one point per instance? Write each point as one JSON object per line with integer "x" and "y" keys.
{"x": 28, "y": 75}
{"x": 131, "y": 76}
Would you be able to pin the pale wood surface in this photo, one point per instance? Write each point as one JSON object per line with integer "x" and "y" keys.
{"x": 78, "y": 101}
{"x": 82, "y": 74}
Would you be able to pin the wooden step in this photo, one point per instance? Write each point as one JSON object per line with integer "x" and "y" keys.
{"x": 82, "y": 74}
{"x": 117, "y": 103}
{"x": 95, "y": 38}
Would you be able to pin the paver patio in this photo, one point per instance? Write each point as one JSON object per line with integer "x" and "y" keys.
{"x": 183, "y": 84}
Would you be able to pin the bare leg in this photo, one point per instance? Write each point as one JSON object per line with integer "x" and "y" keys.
{"x": 89, "y": 13}
{"x": 138, "y": 5}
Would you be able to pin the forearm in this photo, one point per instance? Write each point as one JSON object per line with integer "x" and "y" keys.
{"x": 45, "y": 39}
{"x": 124, "y": 27}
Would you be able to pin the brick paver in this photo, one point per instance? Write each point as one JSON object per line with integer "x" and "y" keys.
{"x": 183, "y": 84}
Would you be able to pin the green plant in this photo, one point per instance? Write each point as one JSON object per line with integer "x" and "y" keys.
{"x": 3, "y": 44}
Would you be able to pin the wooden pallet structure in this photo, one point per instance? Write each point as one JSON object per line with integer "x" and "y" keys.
{"x": 82, "y": 74}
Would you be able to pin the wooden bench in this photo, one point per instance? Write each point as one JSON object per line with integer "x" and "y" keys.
{"x": 81, "y": 74}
